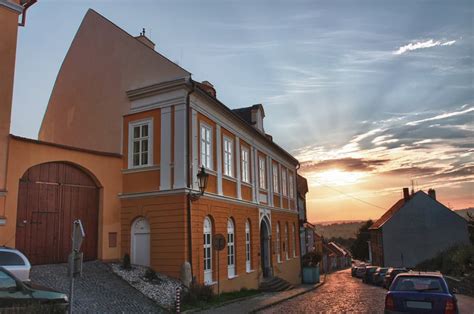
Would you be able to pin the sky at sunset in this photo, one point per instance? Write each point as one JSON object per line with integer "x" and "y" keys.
{"x": 368, "y": 95}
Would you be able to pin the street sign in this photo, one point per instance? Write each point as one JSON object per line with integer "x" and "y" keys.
{"x": 219, "y": 242}
{"x": 78, "y": 235}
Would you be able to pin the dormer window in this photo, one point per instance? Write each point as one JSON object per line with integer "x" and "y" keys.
{"x": 140, "y": 152}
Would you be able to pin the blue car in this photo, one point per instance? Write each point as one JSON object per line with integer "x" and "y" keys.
{"x": 420, "y": 292}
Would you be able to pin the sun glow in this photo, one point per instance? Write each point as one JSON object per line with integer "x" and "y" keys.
{"x": 336, "y": 177}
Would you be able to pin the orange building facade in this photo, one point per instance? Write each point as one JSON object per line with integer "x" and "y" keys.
{"x": 138, "y": 171}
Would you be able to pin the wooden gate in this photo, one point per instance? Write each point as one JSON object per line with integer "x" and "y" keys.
{"x": 50, "y": 197}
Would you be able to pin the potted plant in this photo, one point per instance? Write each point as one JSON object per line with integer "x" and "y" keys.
{"x": 310, "y": 262}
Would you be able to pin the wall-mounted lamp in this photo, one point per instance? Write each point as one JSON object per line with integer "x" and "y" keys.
{"x": 202, "y": 182}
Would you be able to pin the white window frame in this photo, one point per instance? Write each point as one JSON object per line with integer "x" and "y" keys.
{"x": 230, "y": 248}
{"x": 291, "y": 182}
{"x": 293, "y": 229}
{"x": 277, "y": 243}
{"x": 206, "y": 146}
{"x": 261, "y": 173}
{"x": 245, "y": 154}
{"x": 207, "y": 246}
{"x": 248, "y": 251}
{"x": 132, "y": 140}
{"x": 276, "y": 182}
{"x": 228, "y": 156}
{"x": 284, "y": 185}
{"x": 287, "y": 242}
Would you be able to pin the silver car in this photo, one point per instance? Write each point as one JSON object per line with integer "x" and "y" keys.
{"x": 15, "y": 262}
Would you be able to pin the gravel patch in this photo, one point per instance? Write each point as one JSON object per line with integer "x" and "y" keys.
{"x": 162, "y": 290}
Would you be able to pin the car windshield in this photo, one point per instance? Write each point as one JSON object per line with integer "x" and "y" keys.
{"x": 432, "y": 284}
{"x": 6, "y": 281}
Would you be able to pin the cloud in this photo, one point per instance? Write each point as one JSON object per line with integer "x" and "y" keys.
{"x": 422, "y": 45}
{"x": 442, "y": 116}
{"x": 346, "y": 164}
{"x": 412, "y": 171}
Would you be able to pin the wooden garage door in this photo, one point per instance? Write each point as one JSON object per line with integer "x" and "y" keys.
{"x": 51, "y": 196}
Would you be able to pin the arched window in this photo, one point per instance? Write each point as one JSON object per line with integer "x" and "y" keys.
{"x": 294, "y": 239}
{"x": 287, "y": 242}
{"x": 207, "y": 232}
{"x": 230, "y": 249}
{"x": 277, "y": 242}
{"x": 247, "y": 247}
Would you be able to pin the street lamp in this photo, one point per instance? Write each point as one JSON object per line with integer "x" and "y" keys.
{"x": 202, "y": 177}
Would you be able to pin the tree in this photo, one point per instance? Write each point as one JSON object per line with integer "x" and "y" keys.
{"x": 360, "y": 248}
{"x": 470, "y": 226}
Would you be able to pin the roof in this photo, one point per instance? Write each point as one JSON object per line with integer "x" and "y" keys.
{"x": 339, "y": 250}
{"x": 238, "y": 116}
{"x": 301, "y": 185}
{"x": 388, "y": 214}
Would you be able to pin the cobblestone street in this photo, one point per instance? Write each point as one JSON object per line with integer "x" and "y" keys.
{"x": 341, "y": 293}
{"x": 97, "y": 291}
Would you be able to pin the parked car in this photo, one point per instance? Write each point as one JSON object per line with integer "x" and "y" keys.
{"x": 360, "y": 271}
{"x": 15, "y": 262}
{"x": 369, "y": 272}
{"x": 18, "y": 296}
{"x": 420, "y": 292}
{"x": 391, "y": 274}
{"x": 379, "y": 276}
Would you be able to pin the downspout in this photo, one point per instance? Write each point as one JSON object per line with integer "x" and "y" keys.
{"x": 189, "y": 176}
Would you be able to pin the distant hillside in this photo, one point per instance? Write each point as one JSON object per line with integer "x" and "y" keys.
{"x": 344, "y": 230}
{"x": 463, "y": 212}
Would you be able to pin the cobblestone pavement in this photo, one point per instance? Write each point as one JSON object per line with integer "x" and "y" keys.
{"x": 97, "y": 291}
{"x": 341, "y": 293}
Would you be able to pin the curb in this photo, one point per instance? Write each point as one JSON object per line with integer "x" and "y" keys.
{"x": 198, "y": 310}
{"x": 289, "y": 298}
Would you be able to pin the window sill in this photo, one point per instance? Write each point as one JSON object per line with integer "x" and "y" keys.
{"x": 213, "y": 283}
{"x": 246, "y": 183}
{"x": 233, "y": 277}
{"x": 262, "y": 190}
{"x": 227, "y": 177}
{"x": 250, "y": 271}
{"x": 140, "y": 169}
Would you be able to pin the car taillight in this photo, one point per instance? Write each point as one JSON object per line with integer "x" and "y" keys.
{"x": 389, "y": 303}
{"x": 450, "y": 307}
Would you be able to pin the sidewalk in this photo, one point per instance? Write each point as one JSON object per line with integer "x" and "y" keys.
{"x": 264, "y": 300}
{"x": 465, "y": 304}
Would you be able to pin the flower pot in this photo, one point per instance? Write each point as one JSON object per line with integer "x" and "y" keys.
{"x": 311, "y": 274}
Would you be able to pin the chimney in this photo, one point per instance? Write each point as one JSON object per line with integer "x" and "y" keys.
{"x": 208, "y": 87}
{"x": 406, "y": 194}
{"x": 432, "y": 193}
{"x": 145, "y": 40}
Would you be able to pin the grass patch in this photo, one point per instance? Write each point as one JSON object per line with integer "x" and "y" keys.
{"x": 216, "y": 300}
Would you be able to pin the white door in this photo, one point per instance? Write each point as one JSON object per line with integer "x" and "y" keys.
{"x": 141, "y": 242}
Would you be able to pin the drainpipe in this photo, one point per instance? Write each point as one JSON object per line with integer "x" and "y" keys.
{"x": 189, "y": 176}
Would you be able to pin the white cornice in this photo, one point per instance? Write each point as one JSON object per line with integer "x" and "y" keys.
{"x": 11, "y": 6}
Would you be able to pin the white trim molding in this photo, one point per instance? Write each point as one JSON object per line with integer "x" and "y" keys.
{"x": 11, "y": 6}
{"x": 165, "y": 162}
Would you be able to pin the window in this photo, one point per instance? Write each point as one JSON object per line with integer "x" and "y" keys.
{"x": 6, "y": 281}
{"x": 245, "y": 165}
{"x": 284, "y": 186}
{"x": 293, "y": 232}
{"x": 292, "y": 188}
{"x": 261, "y": 172}
{"x": 206, "y": 146}
{"x": 287, "y": 242}
{"x": 277, "y": 242}
{"x": 207, "y": 250}
{"x": 230, "y": 249}
{"x": 275, "y": 179}
{"x": 228, "y": 164}
{"x": 140, "y": 147}
{"x": 247, "y": 247}
{"x": 11, "y": 259}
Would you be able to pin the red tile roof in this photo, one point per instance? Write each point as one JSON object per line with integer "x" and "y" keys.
{"x": 388, "y": 214}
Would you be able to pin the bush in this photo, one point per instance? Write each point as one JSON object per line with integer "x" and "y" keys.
{"x": 311, "y": 259}
{"x": 150, "y": 274}
{"x": 126, "y": 264}
{"x": 198, "y": 292}
{"x": 455, "y": 261}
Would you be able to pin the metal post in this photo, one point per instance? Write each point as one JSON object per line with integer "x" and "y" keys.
{"x": 178, "y": 300}
{"x": 71, "y": 294}
{"x": 218, "y": 281}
